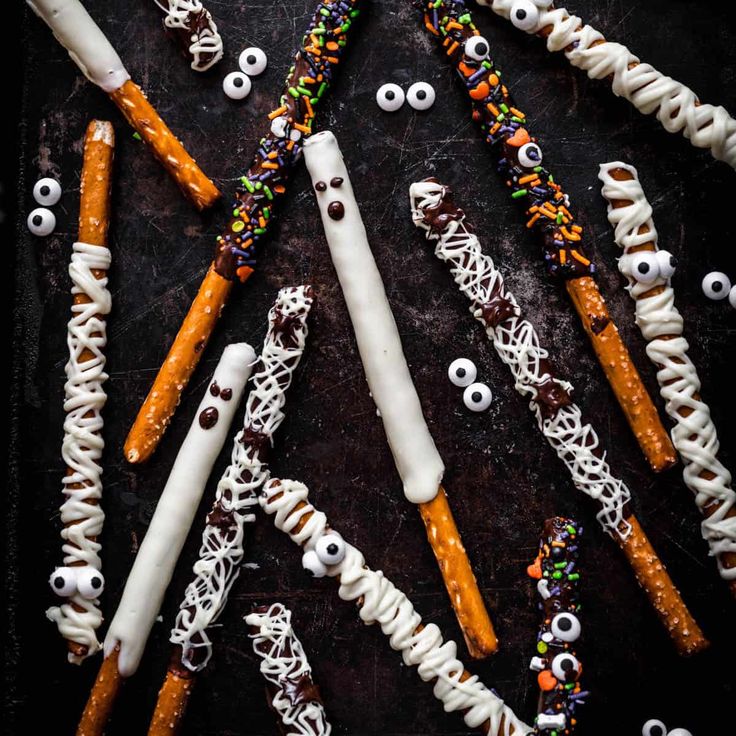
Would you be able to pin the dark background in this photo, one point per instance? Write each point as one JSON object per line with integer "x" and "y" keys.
{"x": 502, "y": 477}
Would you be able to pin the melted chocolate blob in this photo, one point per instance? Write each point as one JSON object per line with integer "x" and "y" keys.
{"x": 320, "y": 186}
{"x": 226, "y": 394}
{"x": 215, "y": 389}
{"x": 598, "y": 324}
{"x": 336, "y": 210}
{"x": 336, "y": 181}
{"x": 497, "y": 310}
{"x": 208, "y": 417}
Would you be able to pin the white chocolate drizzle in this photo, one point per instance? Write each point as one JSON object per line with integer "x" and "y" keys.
{"x": 78, "y": 618}
{"x": 517, "y": 343}
{"x": 379, "y": 601}
{"x": 221, "y": 552}
{"x": 676, "y": 106}
{"x": 694, "y": 436}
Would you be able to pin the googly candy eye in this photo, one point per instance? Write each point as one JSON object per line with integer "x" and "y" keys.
{"x": 524, "y": 15}
{"x": 565, "y": 667}
{"x": 312, "y": 564}
{"x": 732, "y": 297}
{"x": 667, "y": 263}
{"x": 654, "y": 727}
{"x": 476, "y": 47}
{"x": 530, "y": 155}
{"x": 643, "y": 267}
{"x": 41, "y": 222}
{"x": 716, "y": 285}
{"x": 252, "y": 61}
{"x": 47, "y": 192}
{"x": 420, "y": 95}
{"x": 236, "y": 85}
{"x": 477, "y": 397}
{"x": 566, "y": 627}
{"x": 63, "y": 581}
{"x": 462, "y": 372}
{"x": 330, "y": 549}
{"x": 679, "y": 732}
{"x": 90, "y": 582}
{"x": 390, "y": 97}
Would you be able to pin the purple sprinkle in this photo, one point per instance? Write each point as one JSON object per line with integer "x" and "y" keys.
{"x": 474, "y": 77}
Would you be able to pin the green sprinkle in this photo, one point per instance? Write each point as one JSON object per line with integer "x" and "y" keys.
{"x": 314, "y": 100}
{"x": 465, "y": 19}
{"x": 559, "y": 218}
{"x": 486, "y": 65}
{"x": 318, "y": 31}
{"x": 569, "y": 685}
{"x": 304, "y": 91}
{"x": 541, "y": 647}
{"x": 557, "y": 575}
{"x": 517, "y": 119}
{"x": 269, "y": 194}
{"x": 560, "y": 565}
{"x": 137, "y": 136}
{"x": 342, "y": 42}
{"x": 573, "y": 576}
{"x": 259, "y": 231}
{"x": 550, "y": 179}
{"x": 519, "y": 193}
{"x": 324, "y": 11}
{"x": 236, "y": 212}
{"x": 321, "y": 89}
{"x": 248, "y": 185}
{"x": 504, "y": 107}
{"x": 259, "y": 185}
{"x": 293, "y": 92}
{"x": 570, "y": 529}
{"x": 354, "y": 13}
{"x": 266, "y": 212}
{"x": 537, "y": 169}
{"x": 500, "y": 117}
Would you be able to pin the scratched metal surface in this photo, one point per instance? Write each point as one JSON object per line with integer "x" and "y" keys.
{"x": 502, "y": 478}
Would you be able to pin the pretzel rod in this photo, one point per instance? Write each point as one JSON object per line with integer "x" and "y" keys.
{"x": 559, "y": 419}
{"x": 379, "y": 601}
{"x": 548, "y": 209}
{"x": 676, "y": 106}
{"x": 292, "y": 693}
{"x": 221, "y": 552}
{"x": 694, "y": 434}
{"x": 91, "y": 51}
{"x": 79, "y": 582}
{"x": 256, "y": 201}
{"x": 391, "y": 385}
{"x": 107, "y": 687}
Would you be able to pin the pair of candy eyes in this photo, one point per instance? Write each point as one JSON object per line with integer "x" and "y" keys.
{"x": 390, "y": 97}
{"x": 655, "y": 727}
{"x": 462, "y": 373}
{"x": 328, "y": 551}
{"x": 66, "y": 581}
{"x": 647, "y": 266}
{"x": 716, "y": 286}
{"x": 252, "y": 62}
{"x": 42, "y": 221}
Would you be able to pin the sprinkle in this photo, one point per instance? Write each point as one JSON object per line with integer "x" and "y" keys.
{"x": 518, "y": 194}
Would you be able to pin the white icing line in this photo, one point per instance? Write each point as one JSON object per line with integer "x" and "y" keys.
{"x": 208, "y": 41}
{"x": 517, "y": 343}
{"x": 676, "y": 106}
{"x": 87, "y": 45}
{"x": 221, "y": 552}
{"x": 390, "y": 383}
{"x": 158, "y": 554}
{"x": 693, "y": 436}
{"x": 379, "y": 601}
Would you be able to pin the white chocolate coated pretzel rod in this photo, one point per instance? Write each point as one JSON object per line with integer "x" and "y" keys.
{"x": 379, "y": 601}
{"x": 559, "y": 419}
{"x": 694, "y": 434}
{"x": 676, "y": 106}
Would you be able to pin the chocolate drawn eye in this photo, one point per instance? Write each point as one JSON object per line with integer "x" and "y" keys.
{"x": 565, "y": 667}
{"x": 311, "y": 563}
{"x": 90, "y": 582}
{"x": 667, "y": 263}
{"x": 420, "y": 95}
{"x": 252, "y": 61}
{"x": 47, "y": 192}
{"x": 716, "y": 285}
{"x": 477, "y": 397}
{"x": 41, "y": 222}
{"x": 330, "y": 549}
{"x": 63, "y": 582}
{"x": 236, "y": 85}
{"x": 477, "y": 48}
{"x": 566, "y": 627}
{"x": 462, "y": 372}
{"x": 524, "y": 15}
{"x": 390, "y": 97}
{"x": 530, "y": 155}
{"x": 654, "y": 727}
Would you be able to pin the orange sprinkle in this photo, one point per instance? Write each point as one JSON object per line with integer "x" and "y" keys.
{"x": 580, "y": 258}
{"x": 493, "y": 80}
{"x": 280, "y": 111}
{"x": 518, "y": 113}
{"x": 566, "y": 211}
{"x": 273, "y": 154}
{"x": 495, "y": 128}
{"x": 279, "y": 188}
{"x": 533, "y": 220}
{"x": 577, "y": 229}
{"x": 262, "y": 221}
{"x": 430, "y": 27}
{"x": 332, "y": 46}
{"x": 302, "y": 128}
{"x": 563, "y": 257}
{"x": 308, "y": 104}
{"x": 526, "y": 179}
{"x": 307, "y": 80}
{"x": 332, "y": 59}
{"x": 452, "y": 48}
{"x": 269, "y": 165}
{"x": 491, "y": 107}
{"x": 452, "y": 24}
{"x": 313, "y": 50}
{"x": 574, "y": 237}
{"x": 243, "y": 272}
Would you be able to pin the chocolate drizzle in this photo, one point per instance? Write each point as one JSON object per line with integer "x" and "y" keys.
{"x": 598, "y": 323}
{"x": 438, "y": 217}
{"x": 208, "y": 417}
{"x": 551, "y": 397}
{"x": 498, "y": 309}
{"x": 301, "y": 690}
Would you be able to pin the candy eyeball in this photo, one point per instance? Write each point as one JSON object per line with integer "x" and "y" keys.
{"x": 252, "y": 61}
{"x": 90, "y": 582}
{"x": 330, "y": 549}
{"x": 667, "y": 263}
{"x": 565, "y": 667}
{"x": 716, "y": 285}
{"x": 420, "y": 95}
{"x": 530, "y": 155}
{"x": 566, "y": 627}
{"x": 524, "y": 15}
{"x": 654, "y": 727}
{"x": 462, "y": 372}
{"x": 643, "y": 267}
{"x": 679, "y": 732}
{"x": 236, "y": 85}
{"x": 312, "y": 564}
{"x": 390, "y": 97}
{"x": 63, "y": 582}
{"x": 477, "y": 397}
{"x": 476, "y": 47}
{"x": 732, "y": 297}
{"x": 47, "y": 192}
{"x": 41, "y": 222}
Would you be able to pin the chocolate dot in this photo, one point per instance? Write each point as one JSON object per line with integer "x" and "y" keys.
{"x": 226, "y": 394}
{"x": 320, "y": 186}
{"x": 336, "y": 210}
{"x": 37, "y": 220}
{"x": 44, "y": 190}
{"x": 208, "y": 417}
{"x": 215, "y": 389}
{"x": 336, "y": 181}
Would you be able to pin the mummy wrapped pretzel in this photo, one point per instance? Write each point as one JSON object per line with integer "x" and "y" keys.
{"x": 520, "y": 162}
{"x": 556, "y": 663}
{"x": 292, "y": 693}
{"x": 99, "y": 62}
{"x": 167, "y": 532}
{"x": 391, "y": 385}
{"x": 221, "y": 552}
{"x": 558, "y": 417}
{"x": 379, "y": 601}
{"x": 256, "y": 201}
{"x": 676, "y": 106}
{"x": 79, "y": 582}
{"x": 648, "y": 270}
